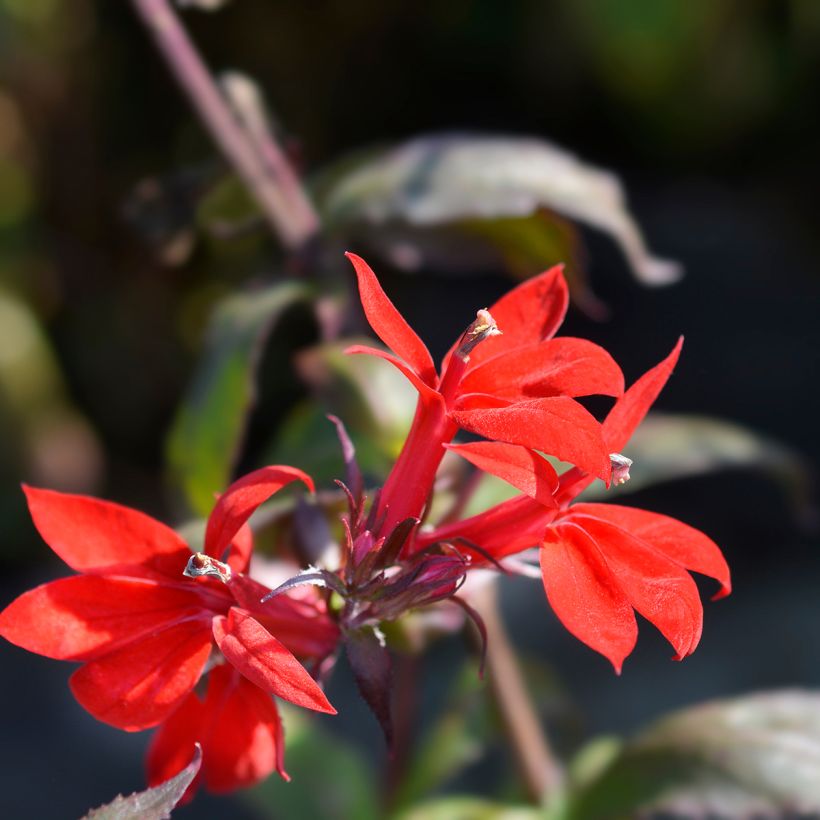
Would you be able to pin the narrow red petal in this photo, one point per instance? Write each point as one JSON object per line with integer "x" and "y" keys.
{"x": 245, "y": 742}
{"x": 263, "y": 660}
{"x": 99, "y": 536}
{"x": 427, "y": 393}
{"x": 556, "y": 367}
{"x": 170, "y": 749}
{"x": 685, "y": 545}
{"x": 657, "y": 587}
{"x": 585, "y": 595}
{"x": 303, "y": 626}
{"x": 630, "y": 409}
{"x": 82, "y": 617}
{"x": 238, "y": 727}
{"x": 239, "y": 554}
{"x": 140, "y": 684}
{"x": 389, "y": 325}
{"x": 519, "y": 466}
{"x": 502, "y": 530}
{"x": 558, "y": 426}
{"x": 527, "y": 314}
{"x": 240, "y": 500}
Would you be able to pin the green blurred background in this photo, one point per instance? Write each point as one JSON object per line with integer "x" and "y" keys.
{"x": 708, "y": 111}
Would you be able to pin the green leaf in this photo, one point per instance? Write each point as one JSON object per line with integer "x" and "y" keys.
{"x": 330, "y": 780}
{"x": 463, "y": 180}
{"x": 667, "y": 447}
{"x": 752, "y": 756}
{"x": 469, "y": 808}
{"x": 456, "y": 739}
{"x": 207, "y": 433}
{"x": 152, "y": 804}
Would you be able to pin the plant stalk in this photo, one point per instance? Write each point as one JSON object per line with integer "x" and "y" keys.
{"x": 540, "y": 770}
{"x": 264, "y": 169}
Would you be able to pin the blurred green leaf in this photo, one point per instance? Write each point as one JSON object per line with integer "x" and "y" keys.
{"x": 457, "y": 739}
{"x": 330, "y": 781}
{"x": 667, "y": 447}
{"x": 469, "y": 808}
{"x": 207, "y": 433}
{"x": 375, "y": 402}
{"x": 449, "y": 179}
{"x": 152, "y": 804}
{"x": 753, "y": 756}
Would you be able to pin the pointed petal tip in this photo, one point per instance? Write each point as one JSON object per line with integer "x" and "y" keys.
{"x": 724, "y": 591}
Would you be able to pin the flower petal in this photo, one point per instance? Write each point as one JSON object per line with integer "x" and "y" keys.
{"x": 558, "y": 426}
{"x": 555, "y": 367}
{"x": 502, "y": 530}
{"x": 238, "y": 727}
{"x": 170, "y": 747}
{"x": 519, "y": 466}
{"x": 240, "y": 500}
{"x": 302, "y": 625}
{"x": 630, "y": 409}
{"x": 527, "y": 314}
{"x": 426, "y": 393}
{"x": 241, "y": 549}
{"x": 85, "y": 616}
{"x": 263, "y": 660}
{"x": 99, "y": 536}
{"x": 657, "y": 587}
{"x": 585, "y": 595}
{"x": 389, "y": 325}
{"x": 140, "y": 684}
{"x": 685, "y": 545}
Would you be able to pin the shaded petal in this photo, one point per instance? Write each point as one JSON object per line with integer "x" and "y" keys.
{"x": 99, "y": 536}
{"x": 519, "y": 466}
{"x": 630, "y": 409}
{"x": 389, "y": 325}
{"x": 238, "y": 727}
{"x": 558, "y": 426}
{"x": 140, "y": 684}
{"x": 527, "y": 314}
{"x": 585, "y": 595}
{"x": 660, "y": 589}
{"x": 240, "y": 500}
{"x": 82, "y": 617}
{"x": 248, "y": 646}
{"x": 171, "y": 745}
{"x": 556, "y": 367}
{"x": 427, "y": 393}
{"x": 241, "y": 549}
{"x": 502, "y": 530}
{"x": 685, "y": 545}
{"x": 302, "y": 625}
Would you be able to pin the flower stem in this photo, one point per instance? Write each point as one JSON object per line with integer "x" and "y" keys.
{"x": 264, "y": 168}
{"x": 540, "y": 771}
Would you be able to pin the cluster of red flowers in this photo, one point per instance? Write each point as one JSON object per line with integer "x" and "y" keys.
{"x": 148, "y": 618}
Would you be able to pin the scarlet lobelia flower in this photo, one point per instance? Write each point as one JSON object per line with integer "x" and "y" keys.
{"x": 599, "y": 562}
{"x": 515, "y": 385}
{"x": 145, "y": 616}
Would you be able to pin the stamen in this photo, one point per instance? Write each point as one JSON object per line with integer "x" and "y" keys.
{"x": 200, "y": 565}
{"x": 620, "y": 468}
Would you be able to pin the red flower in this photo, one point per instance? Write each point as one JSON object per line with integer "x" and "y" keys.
{"x": 142, "y": 630}
{"x": 237, "y": 725}
{"x": 506, "y": 379}
{"x": 599, "y": 562}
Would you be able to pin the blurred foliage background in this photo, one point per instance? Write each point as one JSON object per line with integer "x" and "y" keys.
{"x": 110, "y": 267}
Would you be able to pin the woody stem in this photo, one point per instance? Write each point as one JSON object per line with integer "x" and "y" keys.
{"x": 540, "y": 770}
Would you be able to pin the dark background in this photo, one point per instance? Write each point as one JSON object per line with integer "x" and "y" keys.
{"x": 708, "y": 111}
